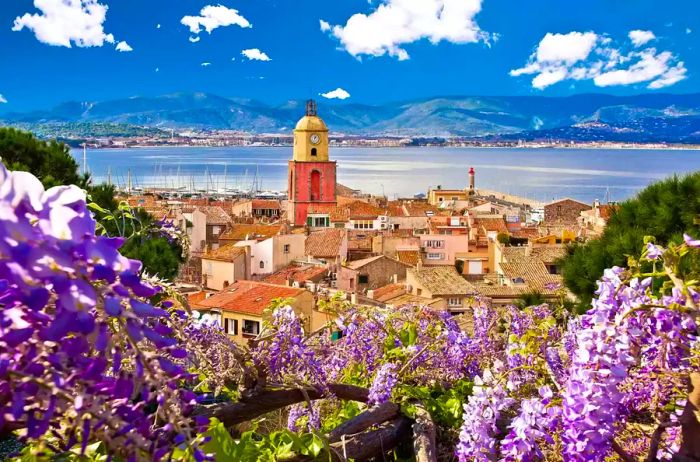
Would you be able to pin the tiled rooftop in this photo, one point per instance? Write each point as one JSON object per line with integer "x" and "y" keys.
{"x": 388, "y": 292}
{"x": 297, "y": 273}
{"x": 443, "y": 280}
{"x": 228, "y": 253}
{"x": 249, "y": 297}
{"x": 215, "y": 215}
{"x": 325, "y": 243}
{"x": 410, "y": 257}
{"x": 242, "y": 232}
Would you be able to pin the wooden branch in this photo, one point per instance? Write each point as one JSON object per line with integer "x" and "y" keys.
{"x": 363, "y": 446}
{"x": 621, "y": 452}
{"x": 250, "y": 407}
{"x": 424, "y": 445}
{"x": 690, "y": 426}
{"x": 656, "y": 439}
{"x": 364, "y": 420}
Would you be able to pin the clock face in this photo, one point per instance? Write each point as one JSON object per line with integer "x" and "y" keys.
{"x": 315, "y": 139}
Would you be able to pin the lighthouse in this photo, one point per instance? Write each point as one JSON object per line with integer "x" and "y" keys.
{"x": 312, "y": 175}
{"x": 472, "y": 173}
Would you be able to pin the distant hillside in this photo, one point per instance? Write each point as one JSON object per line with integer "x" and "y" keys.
{"x": 653, "y": 117}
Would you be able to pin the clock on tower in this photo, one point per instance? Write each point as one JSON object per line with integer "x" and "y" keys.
{"x": 312, "y": 176}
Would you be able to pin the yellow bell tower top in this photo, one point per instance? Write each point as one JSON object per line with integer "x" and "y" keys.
{"x": 311, "y": 137}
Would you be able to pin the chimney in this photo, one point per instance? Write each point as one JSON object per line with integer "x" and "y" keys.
{"x": 471, "y": 178}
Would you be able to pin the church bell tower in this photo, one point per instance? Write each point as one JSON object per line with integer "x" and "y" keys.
{"x": 312, "y": 176}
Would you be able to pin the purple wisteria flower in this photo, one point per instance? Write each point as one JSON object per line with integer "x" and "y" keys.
{"x": 75, "y": 312}
{"x": 690, "y": 242}
{"x": 653, "y": 251}
{"x": 383, "y": 384}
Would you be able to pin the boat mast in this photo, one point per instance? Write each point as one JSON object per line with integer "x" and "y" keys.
{"x": 84, "y": 158}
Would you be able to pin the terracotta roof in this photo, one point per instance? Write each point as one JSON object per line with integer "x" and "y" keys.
{"x": 197, "y": 297}
{"x": 388, "y": 292}
{"x": 357, "y": 264}
{"x": 228, "y": 253}
{"x": 243, "y": 231}
{"x": 607, "y": 210}
{"x": 410, "y": 257}
{"x": 533, "y": 274}
{"x": 409, "y": 299}
{"x": 322, "y": 208}
{"x": 325, "y": 243}
{"x": 526, "y": 233}
{"x": 297, "y": 273}
{"x": 493, "y": 224}
{"x": 356, "y": 210}
{"x": 564, "y": 199}
{"x": 215, "y": 215}
{"x": 266, "y": 204}
{"x": 249, "y": 297}
{"x": 543, "y": 254}
{"x": 443, "y": 280}
{"x": 420, "y": 209}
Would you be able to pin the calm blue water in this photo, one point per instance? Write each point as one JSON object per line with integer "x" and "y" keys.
{"x": 541, "y": 174}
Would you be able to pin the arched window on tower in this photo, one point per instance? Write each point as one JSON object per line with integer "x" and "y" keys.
{"x": 315, "y": 185}
{"x": 313, "y": 152}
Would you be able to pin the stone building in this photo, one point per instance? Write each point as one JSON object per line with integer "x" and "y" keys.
{"x": 370, "y": 273}
{"x": 565, "y": 211}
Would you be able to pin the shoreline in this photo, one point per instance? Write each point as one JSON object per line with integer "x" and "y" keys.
{"x": 620, "y": 147}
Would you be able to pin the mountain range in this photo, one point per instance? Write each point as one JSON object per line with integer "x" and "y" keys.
{"x": 648, "y": 117}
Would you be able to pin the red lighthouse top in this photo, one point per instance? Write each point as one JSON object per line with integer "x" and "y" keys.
{"x": 471, "y": 170}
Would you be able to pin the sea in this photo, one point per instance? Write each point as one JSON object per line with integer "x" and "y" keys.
{"x": 540, "y": 174}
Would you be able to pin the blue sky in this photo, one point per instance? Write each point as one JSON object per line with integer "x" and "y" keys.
{"x": 375, "y": 51}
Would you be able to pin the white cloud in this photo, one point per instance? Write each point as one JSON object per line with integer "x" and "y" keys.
{"x": 157, "y": 69}
{"x": 567, "y": 48}
{"x": 338, "y": 93}
{"x": 325, "y": 26}
{"x": 590, "y": 56}
{"x": 67, "y": 22}
{"x": 255, "y": 54}
{"x": 641, "y": 37}
{"x": 3, "y": 100}
{"x": 688, "y": 30}
{"x": 212, "y": 17}
{"x": 123, "y": 47}
{"x": 195, "y": 39}
{"x": 157, "y": 26}
{"x": 395, "y": 23}
{"x": 206, "y": 64}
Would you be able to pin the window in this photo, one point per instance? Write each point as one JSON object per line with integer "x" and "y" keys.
{"x": 251, "y": 327}
{"x": 313, "y": 152}
{"x": 454, "y": 302}
{"x": 455, "y": 198}
{"x": 231, "y": 326}
{"x": 363, "y": 224}
{"x": 434, "y": 244}
{"x": 209, "y": 269}
{"x": 315, "y": 192}
{"x": 435, "y": 256}
{"x": 215, "y": 229}
{"x": 286, "y": 248}
{"x": 262, "y": 264}
{"x": 363, "y": 279}
{"x": 315, "y": 221}
{"x": 419, "y": 292}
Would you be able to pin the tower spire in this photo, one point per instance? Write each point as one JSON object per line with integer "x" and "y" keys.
{"x": 311, "y": 108}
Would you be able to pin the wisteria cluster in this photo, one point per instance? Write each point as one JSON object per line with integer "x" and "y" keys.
{"x": 615, "y": 369}
{"x": 84, "y": 353}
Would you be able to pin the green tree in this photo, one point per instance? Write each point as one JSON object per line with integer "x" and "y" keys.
{"x": 665, "y": 210}
{"x": 49, "y": 161}
{"x": 159, "y": 257}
